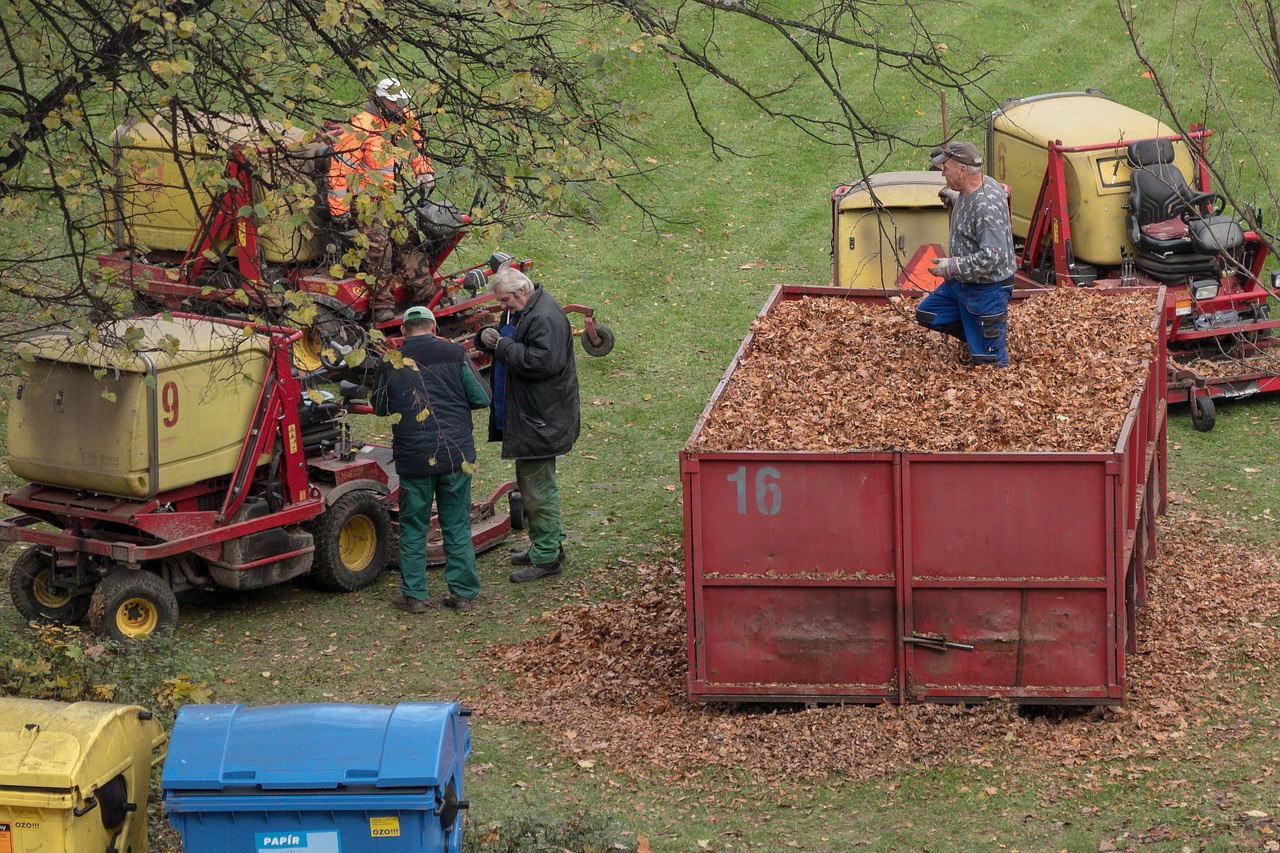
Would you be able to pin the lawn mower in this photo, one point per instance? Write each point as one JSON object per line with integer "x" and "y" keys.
{"x": 238, "y": 243}
{"x": 182, "y": 452}
{"x": 1104, "y": 196}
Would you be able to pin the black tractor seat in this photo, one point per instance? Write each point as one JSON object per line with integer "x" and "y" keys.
{"x": 1179, "y": 233}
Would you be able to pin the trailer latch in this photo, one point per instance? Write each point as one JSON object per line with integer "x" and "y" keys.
{"x": 936, "y": 641}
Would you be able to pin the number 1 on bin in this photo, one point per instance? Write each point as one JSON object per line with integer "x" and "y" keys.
{"x": 768, "y": 493}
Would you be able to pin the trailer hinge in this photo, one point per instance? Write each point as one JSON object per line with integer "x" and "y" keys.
{"x": 936, "y": 641}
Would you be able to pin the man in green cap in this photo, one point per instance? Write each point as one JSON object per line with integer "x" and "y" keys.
{"x": 433, "y": 390}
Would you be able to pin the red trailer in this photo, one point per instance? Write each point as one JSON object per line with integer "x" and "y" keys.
{"x": 813, "y": 576}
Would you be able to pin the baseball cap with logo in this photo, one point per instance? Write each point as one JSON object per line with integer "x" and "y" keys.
{"x": 418, "y": 312}
{"x": 962, "y": 152}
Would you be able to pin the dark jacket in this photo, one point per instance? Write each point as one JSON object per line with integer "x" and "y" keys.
{"x": 439, "y": 380}
{"x": 540, "y": 397}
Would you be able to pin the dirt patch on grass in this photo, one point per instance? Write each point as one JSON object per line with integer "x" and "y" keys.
{"x": 608, "y": 680}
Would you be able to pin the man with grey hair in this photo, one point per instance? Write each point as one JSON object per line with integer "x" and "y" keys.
{"x": 536, "y": 412}
{"x": 972, "y": 303}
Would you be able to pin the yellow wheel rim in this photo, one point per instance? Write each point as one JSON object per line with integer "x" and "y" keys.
{"x": 46, "y": 595}
{"x": 306, "y": 351}
{"x": 137, "y": 616}
{"x": 358, "y": 543}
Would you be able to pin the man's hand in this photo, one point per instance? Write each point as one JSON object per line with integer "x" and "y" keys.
{"x": 947, "y": 196}
{"x": 426, "y": 181}
{"x": 940, "y": 267}
{"x": 489, "y": 337}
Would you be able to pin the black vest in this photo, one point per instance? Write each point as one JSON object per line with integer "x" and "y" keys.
{"x": 439, "y": 441}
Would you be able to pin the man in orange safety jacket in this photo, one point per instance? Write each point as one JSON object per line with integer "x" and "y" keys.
{"x": 366, "y": 157}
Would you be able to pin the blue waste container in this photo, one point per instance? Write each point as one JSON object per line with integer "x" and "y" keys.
{"x": 322, "y": 778}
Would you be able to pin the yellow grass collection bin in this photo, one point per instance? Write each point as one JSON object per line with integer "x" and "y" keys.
{"x": 159, "y": 200}
{"x": 168, "y": 411}
{"x": 872, "y": 243}
{"x": 1097, "y": 182}
{"x": 74, "y": 778}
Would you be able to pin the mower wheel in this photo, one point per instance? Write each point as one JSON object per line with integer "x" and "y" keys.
{"x": 314, "y": 350}
{"x": 515, "y": 503}
{"x": 130, "y": 603}
{"x": 33, "y": 595}
{"x": 605, "y": 344}
{"x": 351, "y": 539}
{"x": 1204, "y": 414}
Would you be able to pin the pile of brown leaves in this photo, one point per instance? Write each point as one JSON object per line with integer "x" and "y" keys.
{"x": 608, "y": 679}
{"x": 832, "y": 374}
{"x": 1228, "y": 363}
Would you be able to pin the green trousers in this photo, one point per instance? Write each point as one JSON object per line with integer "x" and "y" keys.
{"x": 452, "y": 496}
{"x": 536, "y": 480}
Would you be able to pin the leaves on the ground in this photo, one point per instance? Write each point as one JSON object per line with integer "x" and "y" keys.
{"x": 613, "y": 674}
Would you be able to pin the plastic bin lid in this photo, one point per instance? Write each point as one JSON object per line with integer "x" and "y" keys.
{"x": 314, "y": 747}
{"x": 57, "y": 745}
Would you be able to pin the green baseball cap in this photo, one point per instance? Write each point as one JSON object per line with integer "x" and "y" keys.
{"x": 418, "y": 312}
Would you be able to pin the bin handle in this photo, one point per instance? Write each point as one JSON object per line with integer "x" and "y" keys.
{"x": 160, "y": 740}
{"x": 937, "y": 642}
{"x": 89, "y": 805}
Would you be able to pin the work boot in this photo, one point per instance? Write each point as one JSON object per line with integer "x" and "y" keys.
{"x": 522, "y": 559}
{"x": 457, "y": 602}
{"x": 383, "y": 313}
{"x": 537, "y": 571}
{"x": 409, "y": 605}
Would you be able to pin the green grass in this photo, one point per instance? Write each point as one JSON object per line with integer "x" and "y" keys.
{"x": 1230, "y": 472}
{"x": 679, "y": 295}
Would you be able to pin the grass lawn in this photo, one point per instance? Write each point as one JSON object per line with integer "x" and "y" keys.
{"x": 679, "y": 294}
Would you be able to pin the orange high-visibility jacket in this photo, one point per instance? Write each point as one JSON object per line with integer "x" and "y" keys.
{"x": 360, "y": 152}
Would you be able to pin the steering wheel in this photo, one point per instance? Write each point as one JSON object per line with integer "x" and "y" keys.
{"x": 1192, "y": 210}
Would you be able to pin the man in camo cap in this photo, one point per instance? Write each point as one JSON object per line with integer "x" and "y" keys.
{"x": 972, "y": 303}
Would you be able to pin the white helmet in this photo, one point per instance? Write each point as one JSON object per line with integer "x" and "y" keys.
{"x": 390, "y": 88}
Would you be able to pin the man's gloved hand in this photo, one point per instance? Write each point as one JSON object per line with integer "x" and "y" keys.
{"x": 426, "y": 181}
{"x": 489, "y": 337}
{"x": 947, "y": 196}
{"x": 943, "y": 267}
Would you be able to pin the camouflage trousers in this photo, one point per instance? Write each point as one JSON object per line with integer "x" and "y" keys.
{"x": 393, "y": 266}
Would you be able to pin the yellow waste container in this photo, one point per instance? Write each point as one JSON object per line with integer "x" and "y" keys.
{"x": 879, "y": 223}
{"x": 74, "y": 777}
{"x": 1096, "y": 179}
{"x": 166, "y": 411}
{"x": 164, "y": 189}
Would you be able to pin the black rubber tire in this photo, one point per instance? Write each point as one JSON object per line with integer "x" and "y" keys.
{"x": 515, "y": 503}
{"x": 1260, "y": 313}
{"x": 29, "y": 589}
{"x": 352, "y": 538}
{"x": 130, "y": 603}
{"x": 605, "y": 345}
{"x": 1204, "y": 414}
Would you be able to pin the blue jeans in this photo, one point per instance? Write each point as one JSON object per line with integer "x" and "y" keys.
{"x": 978, "y": 314}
